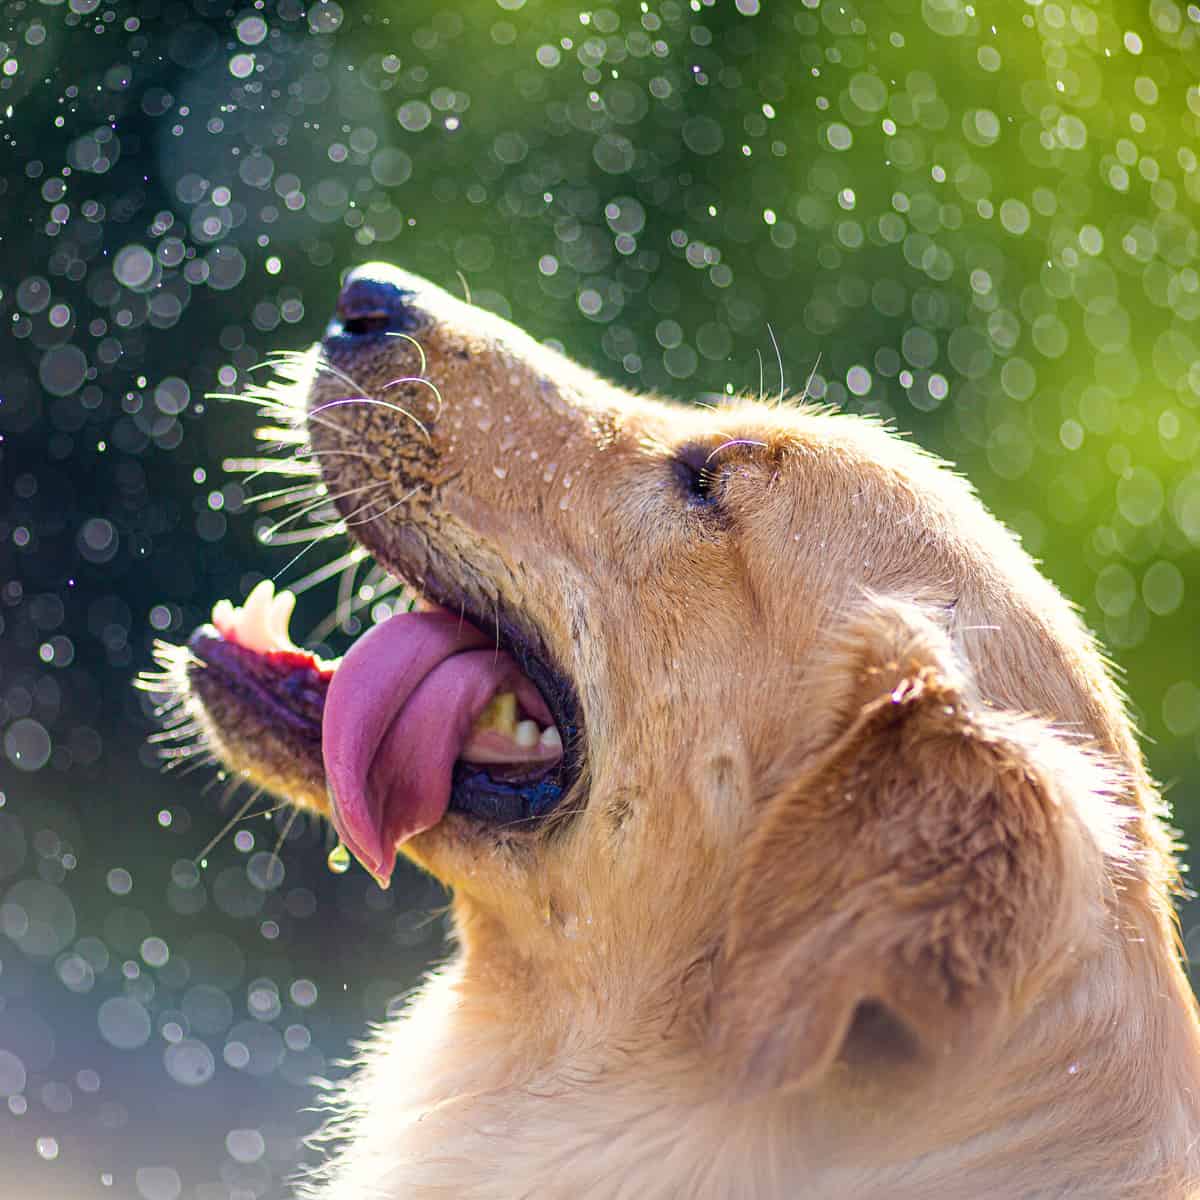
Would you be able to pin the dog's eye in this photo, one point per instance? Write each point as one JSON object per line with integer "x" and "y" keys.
{"x": 699, "y": 472}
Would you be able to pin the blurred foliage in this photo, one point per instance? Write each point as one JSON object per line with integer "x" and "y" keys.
{"x": 984, "y": 232}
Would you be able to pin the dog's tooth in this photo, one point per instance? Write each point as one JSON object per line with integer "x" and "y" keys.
{"x": 258, "y": 603}
{"x": 253, "y": 628}
{"x": 551, "y": 739}
{"x": 526, "y": 735}
{"x": 224, "y": 617}
{"x": 281, "y": 616}
{"x": 260, "y": 596}
{"x": 500, "y": 715}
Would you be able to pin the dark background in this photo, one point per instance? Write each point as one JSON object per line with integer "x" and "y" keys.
{"x": 985, "y": 233}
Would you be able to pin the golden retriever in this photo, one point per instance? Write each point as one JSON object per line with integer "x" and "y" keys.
{"x": 800, "y": 842}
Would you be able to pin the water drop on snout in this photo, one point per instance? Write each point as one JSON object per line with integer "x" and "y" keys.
{"x": 339, "y": 860}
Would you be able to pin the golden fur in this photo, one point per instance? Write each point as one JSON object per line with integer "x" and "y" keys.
{"x": 864, "y": 891}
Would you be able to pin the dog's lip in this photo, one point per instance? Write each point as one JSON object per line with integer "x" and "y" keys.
{"x": 389, "y": 731}
{"x": 393, "y": 754}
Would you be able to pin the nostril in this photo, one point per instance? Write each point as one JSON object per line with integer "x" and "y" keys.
{"x": 374, "y": 322}
{"x": 369, "y": 305}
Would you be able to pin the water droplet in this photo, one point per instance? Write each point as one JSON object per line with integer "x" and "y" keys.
{"x": 500, "y": 472}
{"x": 12, "y": 1074}
{"x": 124, "y": 1023}
{"x": 339, "y": 860}
{"x": 189, "y": 1062}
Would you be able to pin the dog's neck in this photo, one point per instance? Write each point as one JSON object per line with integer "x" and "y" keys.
{"x": 484, "y": 1080}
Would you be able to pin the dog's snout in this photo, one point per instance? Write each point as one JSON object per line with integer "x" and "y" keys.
{"x": 376, "y": 299}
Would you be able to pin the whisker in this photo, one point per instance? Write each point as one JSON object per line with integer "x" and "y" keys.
{"x": 345, "y": 593}
{"x": 270, "y": 466}
{"x": 733, "y": 442}
{"x": 347, "y": 400}
{"x": 325, "y": 453}
{"x": 202, "y": 758}
{"x": 324, "y": 628}
{"x": 321, "y": 363}
{"x": 338, "y": 373}
{"x": 294, "y": 417}
{"x": 269, "y": 403}
{"x": 295, "y": 464}
{"x": 811, "y": 376}
{"x": 280, "y": 438}
{"x": 355, "y": 554}
{"x": 779, "y": 359}
{"x": 349, "y": 517}
{"x": 300, "y": 435}
{"x": 315, "y": 536}
{"x": 313, "y": 533}
{"x": 376, "y": 516}
{"x": 414, "y": 343}
{"x": 287, "y": 828}
{"x": 433, "y": 387}
{"x": 281, "y": 497}
{"x": 325, "y": 499}
{"x": 315, "y": 539}
{"x": 237, "y": 816}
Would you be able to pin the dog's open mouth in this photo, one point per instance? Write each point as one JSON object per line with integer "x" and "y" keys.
{"x": 424, "y": 714}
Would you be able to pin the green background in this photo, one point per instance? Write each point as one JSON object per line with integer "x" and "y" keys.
{"x": 984, "y": 232}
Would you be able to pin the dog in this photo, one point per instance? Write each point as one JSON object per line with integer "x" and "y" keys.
{"x": 800, "y": 843}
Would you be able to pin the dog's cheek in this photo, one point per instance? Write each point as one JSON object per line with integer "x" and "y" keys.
{"x": 720, "y": 791}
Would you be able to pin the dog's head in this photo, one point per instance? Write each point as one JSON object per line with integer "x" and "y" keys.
{"x": 830, "y": 745}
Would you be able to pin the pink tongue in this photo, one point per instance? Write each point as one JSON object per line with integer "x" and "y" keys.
{"x": 399, "y": 708}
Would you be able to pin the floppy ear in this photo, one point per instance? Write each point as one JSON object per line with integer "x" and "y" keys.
{"x": 920, "y": 867}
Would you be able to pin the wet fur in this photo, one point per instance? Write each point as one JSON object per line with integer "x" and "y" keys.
{"x": 864, "y": 892}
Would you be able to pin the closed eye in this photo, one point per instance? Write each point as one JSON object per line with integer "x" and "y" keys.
{"x": 698, "y": 475}
{"x": 701, "y": 469}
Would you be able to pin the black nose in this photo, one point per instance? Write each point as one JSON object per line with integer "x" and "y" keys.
{"x": 374, "y": 300}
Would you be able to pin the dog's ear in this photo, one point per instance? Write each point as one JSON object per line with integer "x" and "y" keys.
{"x": 911, "y": 879}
